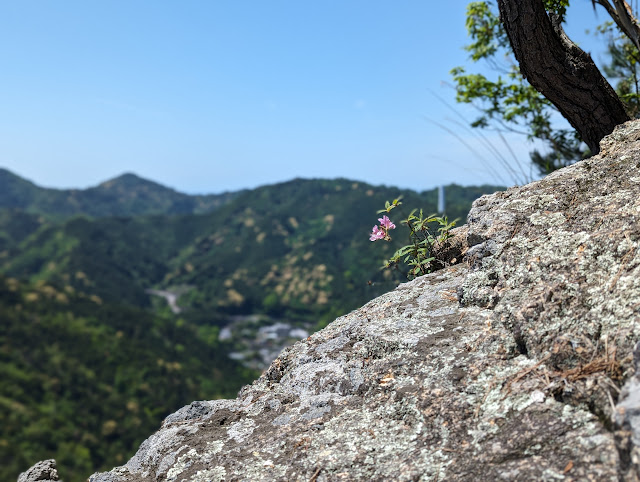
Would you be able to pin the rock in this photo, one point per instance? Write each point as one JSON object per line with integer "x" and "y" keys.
{"x": 517, "y": 364}
{"x": 44, "y": 471}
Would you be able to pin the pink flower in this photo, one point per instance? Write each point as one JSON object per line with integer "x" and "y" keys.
{"x": 382, "y": 231}
{"x": 386, "y": 223}
{"x": 377, "y": 233}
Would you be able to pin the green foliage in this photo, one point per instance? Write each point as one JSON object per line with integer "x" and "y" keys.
{"x": 509, "y": 102}
{"x": 418, "y": 254}
{"x": 284, "y": 250}
{"x": 296, "y": 250}
{"x": 485, "y": 30}
{"x": 16, "y": 225}
{"x": 622, "y": 68}
{"x": 556, "y": 6}
{"x": 85, "y": 382}
{"x": 102, "y": 256}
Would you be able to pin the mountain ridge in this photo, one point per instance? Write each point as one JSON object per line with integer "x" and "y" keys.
{"x": 125, "y": 195}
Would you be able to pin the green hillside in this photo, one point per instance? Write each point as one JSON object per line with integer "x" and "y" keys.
{"x": 113, "y": 258}
{"x": 298, "y": 250}
{"x": 85, "y": 382}
{"x": 15, "y": 226}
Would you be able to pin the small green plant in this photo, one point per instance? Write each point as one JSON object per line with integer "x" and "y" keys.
{"x": 418, "y": 254}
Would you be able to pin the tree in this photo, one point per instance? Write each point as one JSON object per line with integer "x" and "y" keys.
{"x": 512, "y": 103}
{"x": 561, "y": 71}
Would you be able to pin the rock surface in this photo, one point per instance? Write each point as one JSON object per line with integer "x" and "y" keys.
{"x": 44, "y": 471}
{"x": 517, "y": 364}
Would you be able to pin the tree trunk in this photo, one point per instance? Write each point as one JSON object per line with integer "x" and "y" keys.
{"x": 561, "y": 71}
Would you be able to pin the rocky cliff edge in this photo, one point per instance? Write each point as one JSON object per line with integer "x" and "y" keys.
{"x": 517, "y": 364}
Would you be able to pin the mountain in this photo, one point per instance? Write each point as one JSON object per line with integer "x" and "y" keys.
{"x": 125, "y": 195}
{"x": 298, "y": 249}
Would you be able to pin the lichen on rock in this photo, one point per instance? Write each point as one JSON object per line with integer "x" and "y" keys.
{"x": 44, "y": 471}
{"x": 517, "y": 364}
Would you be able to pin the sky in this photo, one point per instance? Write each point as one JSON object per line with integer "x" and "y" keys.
{"x": 210, "y": 96}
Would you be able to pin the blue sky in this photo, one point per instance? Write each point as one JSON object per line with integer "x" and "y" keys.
{"x": 207, "y": 96}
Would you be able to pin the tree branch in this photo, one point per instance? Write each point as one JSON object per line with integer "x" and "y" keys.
{"x": 622, "y": 15}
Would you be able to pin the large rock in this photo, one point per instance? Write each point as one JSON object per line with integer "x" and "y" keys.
{"x": 44, "y": 471}
{"x": 517, "y": 364}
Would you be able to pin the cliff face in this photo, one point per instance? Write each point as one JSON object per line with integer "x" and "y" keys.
{"x": 517, "y": 364}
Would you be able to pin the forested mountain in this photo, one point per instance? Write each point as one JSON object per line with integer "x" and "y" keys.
{"x": 91, "y": 362}
{"x": 298, "y": 248}
{"x": 126, "y": 195}
{"x": 85, "y": 381}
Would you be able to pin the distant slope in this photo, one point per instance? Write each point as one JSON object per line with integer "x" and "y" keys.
{"x": 301, "y": 248}
{"x": 126, "y": 195}
{"x": 16, "y": 225}
{"x": 294, "y": 249}
{"x": 113, "y": 258}
{"x": 85, "y": 382}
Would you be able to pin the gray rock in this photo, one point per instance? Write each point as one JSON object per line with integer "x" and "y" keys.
{"x": 44, "y": 471}
{"x": 517, "y": 364}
